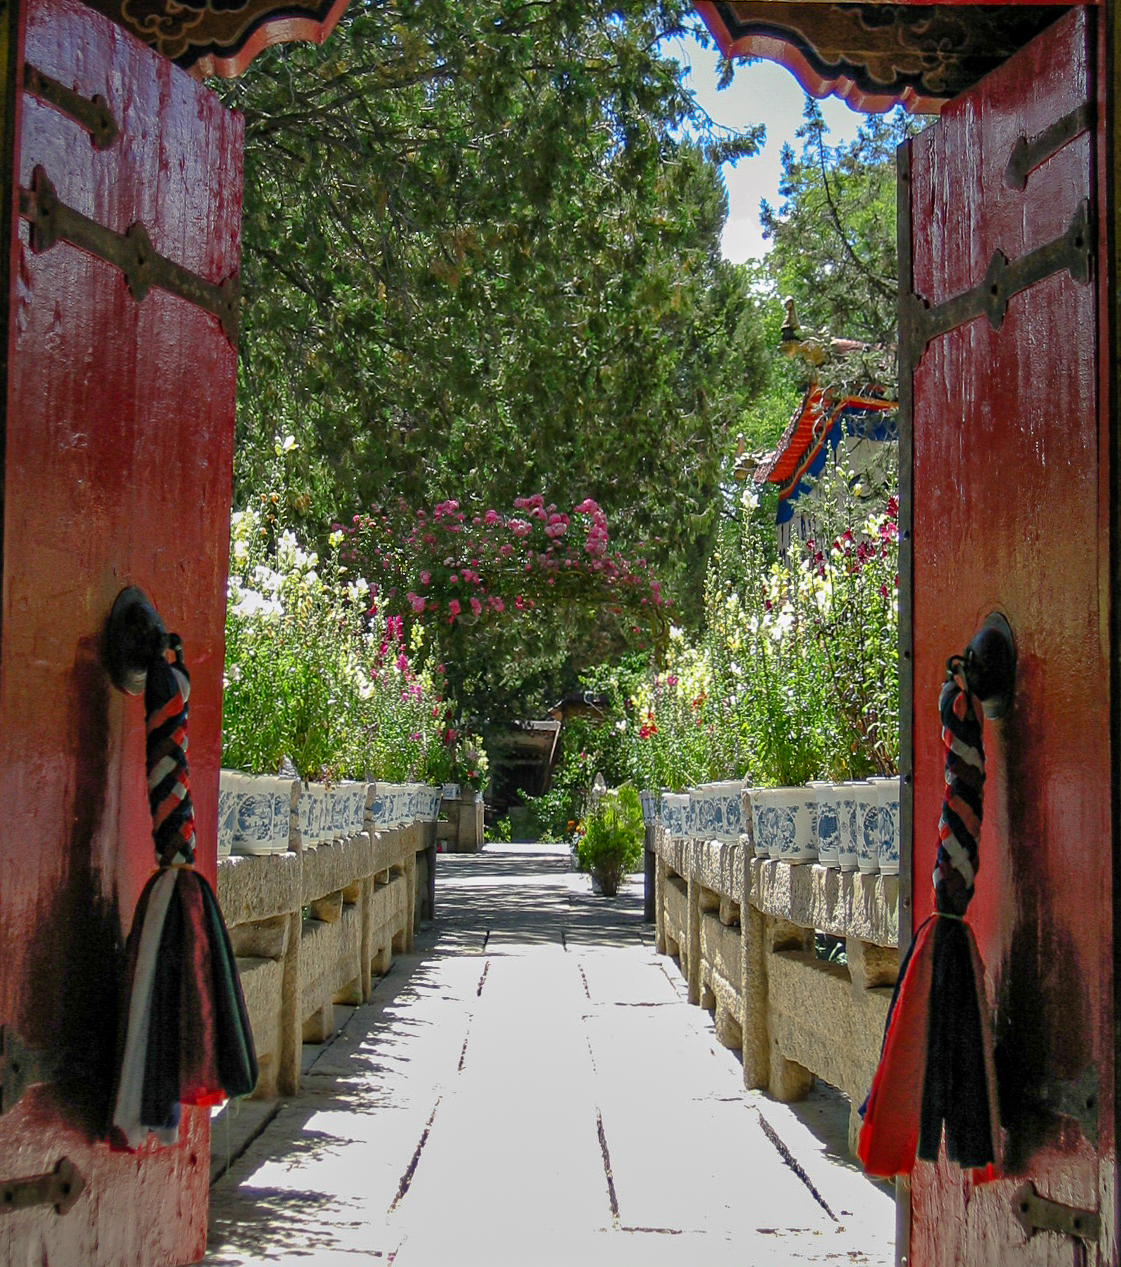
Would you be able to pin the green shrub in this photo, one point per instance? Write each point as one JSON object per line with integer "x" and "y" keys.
{"x": 499, "y": 832}
{"x": 547, "y": 817}
{"x": 611, "y": 845}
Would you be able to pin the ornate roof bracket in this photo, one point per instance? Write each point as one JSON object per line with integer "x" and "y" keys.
{"x": 877, "y": 56}
{"x": 221, "y": 37}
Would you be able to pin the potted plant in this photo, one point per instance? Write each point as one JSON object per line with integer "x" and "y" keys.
{"x": 611, "y": 843}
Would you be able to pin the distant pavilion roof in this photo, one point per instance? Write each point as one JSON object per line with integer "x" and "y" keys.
{"x": 817, "y": 427}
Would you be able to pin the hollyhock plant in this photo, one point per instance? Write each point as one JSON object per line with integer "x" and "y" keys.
{"x": 316, "y": 674}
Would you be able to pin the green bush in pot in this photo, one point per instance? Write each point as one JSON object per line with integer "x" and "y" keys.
{"x": 611, "y": 844}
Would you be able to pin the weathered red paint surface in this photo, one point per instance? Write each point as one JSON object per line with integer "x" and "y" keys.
{"x": 1009, "y": 515}
{"x": 117, "y": 468}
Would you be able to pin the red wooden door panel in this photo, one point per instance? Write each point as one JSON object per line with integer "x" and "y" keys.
{"x": 117, "y": 471}
{"x": 1010, "y": 513}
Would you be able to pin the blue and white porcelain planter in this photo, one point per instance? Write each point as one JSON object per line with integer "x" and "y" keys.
{"x": 345, "y": 811}
{"x": 313, "y": 815}
{"x": 727, "y": 810}
{"x": 389, "y": 806}
{"x": 759, "y": 842}
{"x": 747, "y": 819}
{"x": 354, "y": 816}
{"x": 692, "y": 814}
{"x": 828, "y": 824}
{"x": 787, "y": 818}
{"x": 868, "y": 827}
{"x": 411, "y": 800}
{"x": 698, "y": 818}
{"x": 717, "y": 811}
{"x": 651, "y": 805}
{"x": 377, "y": 815}
{"x": 228, "y": 781}
{"x": 674, "y": 805}
{"x": 887, "y": 791}
{"x": 262, "y": 814}
{"x": 846, "y": 822}
{"x": 395, "y": 805}
{"x": 428, "y": 804}
{"x": 450, "y": 791}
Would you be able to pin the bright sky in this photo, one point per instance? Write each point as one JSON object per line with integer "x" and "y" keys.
{"x": 762, "y": 92}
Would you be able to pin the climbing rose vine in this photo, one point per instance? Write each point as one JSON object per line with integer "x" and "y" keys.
{"x": 448, "y": 564}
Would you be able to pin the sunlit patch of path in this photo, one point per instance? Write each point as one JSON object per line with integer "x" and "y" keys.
{"x": 531, "y": 1087}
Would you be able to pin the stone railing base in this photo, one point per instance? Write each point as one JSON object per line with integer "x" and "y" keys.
{"x": 314, "y": 928}
{"x": 743, "y": 930}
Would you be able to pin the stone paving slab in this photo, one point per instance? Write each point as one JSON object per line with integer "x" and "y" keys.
{"x": 531, "y": 1087}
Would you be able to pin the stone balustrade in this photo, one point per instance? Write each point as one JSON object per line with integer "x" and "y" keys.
{"x": 314, "y": 926}
{"x": 743, "y": 929}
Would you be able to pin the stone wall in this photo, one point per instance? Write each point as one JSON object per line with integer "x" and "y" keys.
{"x": 313, "y": 927}
{"x": 462, "y": 827}
{"x": 743, "y": 930}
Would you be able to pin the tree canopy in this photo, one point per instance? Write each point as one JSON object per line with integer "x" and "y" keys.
{"x": 482, "y": 260}
{"x": 833, "y": 236}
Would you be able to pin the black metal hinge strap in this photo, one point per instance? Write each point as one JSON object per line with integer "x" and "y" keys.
{"x": 91, "y": 113}
{"x": 132, "y": 252}
{"x": 1028, "y": 155}
{"x": 1075, "y": 1098}
{"x": 1038, "y": 1214}
{"x": 20, "y": 1068}
{"x": 1072, "y": 253}
{"x": 60, "y": 1188}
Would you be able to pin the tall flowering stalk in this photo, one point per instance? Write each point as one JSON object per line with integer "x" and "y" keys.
{"x": 796, "y": 674}
{"x": 857, "y": 628}
{"x": 676, "y": 705}
{"x": 314, "y": 674}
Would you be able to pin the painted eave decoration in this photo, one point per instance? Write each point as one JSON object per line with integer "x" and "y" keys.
{"x": 878, "y": 56}
{"x": 817, "y": 427}
{"x": 221, "y": 37}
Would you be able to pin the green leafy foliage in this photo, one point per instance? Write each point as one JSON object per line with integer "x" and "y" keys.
{"x": 833, "y": 237}
{"x": 499, "y": 833}
{"x": 552, "y": 815}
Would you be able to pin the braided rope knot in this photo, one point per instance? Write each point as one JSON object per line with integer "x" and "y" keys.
{"x": 166, "y": 694}
{"x": 960, "y": 824}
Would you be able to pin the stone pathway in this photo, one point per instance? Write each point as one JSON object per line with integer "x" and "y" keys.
{"x": 531, "y": 1087}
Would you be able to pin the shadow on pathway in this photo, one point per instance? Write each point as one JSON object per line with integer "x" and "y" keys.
{"x": 531, "y": 1087}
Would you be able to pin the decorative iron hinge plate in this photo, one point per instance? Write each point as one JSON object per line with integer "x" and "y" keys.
{"x": 1038, "y": 1214}
{"x": 91, "y": 113}
{"x": 1028, "y": 155}
{"x": 20, "y": 1068}
{"x": 61, "y": 1187}
{"x": 1076, "y": 1098}
{"x": 132, "y": 252}
{"x": 1072, "y": 253}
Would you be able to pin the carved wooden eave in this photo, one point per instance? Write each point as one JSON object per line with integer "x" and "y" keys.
{"x": 877, "y": 56}
{"x": 221, "y": 37}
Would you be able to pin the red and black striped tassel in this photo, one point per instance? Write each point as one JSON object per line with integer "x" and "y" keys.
{"x": 936, "y": 1073}
{"x": 187, "y": 1038}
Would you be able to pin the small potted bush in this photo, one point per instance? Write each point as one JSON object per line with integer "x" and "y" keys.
{"x": 612, "y": 840}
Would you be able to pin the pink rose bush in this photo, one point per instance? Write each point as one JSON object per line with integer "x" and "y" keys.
{"x": 451, "y": 564}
